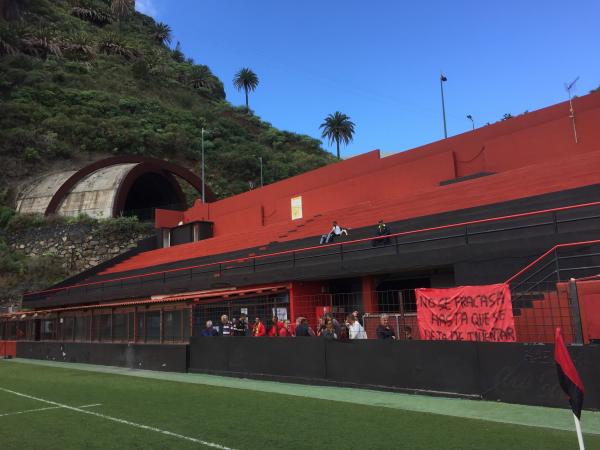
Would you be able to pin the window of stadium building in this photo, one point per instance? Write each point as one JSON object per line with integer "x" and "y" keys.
{"x": 82, "y": 327}
{"x": 149, "y": 326}
{"x": 67, "y": 328}
{"x": 48, "y": 328}
{"x": 176, "y": 325}
{"x": 153, "y": 326}
{"x": 102, "y": 327}
{"x": 400, "y": 301}
{"x": 13, "y": 330}
{"x": 120, "y": 324}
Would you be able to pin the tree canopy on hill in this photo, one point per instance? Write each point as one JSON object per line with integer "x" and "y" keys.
{"x": 85, "y": 79}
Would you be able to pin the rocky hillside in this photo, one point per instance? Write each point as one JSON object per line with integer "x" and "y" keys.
{"x": 83, "y": 79}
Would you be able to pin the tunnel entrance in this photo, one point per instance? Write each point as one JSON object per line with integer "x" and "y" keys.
{"x": 150, "y": 191}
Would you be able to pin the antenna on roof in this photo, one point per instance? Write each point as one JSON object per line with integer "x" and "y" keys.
{"x": 569, "y": 88}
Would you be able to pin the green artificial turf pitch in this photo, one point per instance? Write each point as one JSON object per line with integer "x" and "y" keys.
{"x": 46, "y": 407}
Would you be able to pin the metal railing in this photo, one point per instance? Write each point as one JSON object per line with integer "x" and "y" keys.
{"x": 463, "y": 233}
{"x": 547, "y": 287}
{"x": 559, "y": 264}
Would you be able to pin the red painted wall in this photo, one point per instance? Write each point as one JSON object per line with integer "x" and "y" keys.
{"x": 8, "y": 348}
{"x": 533, "y": 138}
{"x": 300, "y": 293}
{"x": 589, "y": 309}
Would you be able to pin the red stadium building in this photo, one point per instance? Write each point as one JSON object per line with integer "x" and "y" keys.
{"x": 517, "y": 201}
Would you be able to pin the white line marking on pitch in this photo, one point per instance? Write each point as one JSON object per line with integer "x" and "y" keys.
{"x": 116, "y": 419}
{"x": 43, "y": 409}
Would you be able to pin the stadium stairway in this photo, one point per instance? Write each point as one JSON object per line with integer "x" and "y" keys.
{"x": 538, "y": 321}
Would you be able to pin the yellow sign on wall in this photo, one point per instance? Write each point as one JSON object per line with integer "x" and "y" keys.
{"x": 297, "y": 208}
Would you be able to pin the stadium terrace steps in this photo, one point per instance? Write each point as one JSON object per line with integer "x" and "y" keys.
{"x": 525, "y": 182}
{"x": 538, "y": 321}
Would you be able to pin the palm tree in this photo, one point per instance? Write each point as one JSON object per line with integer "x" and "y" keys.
{"x": 247, "y": 80}
{"x": 162, "y": 33}
{"x": 201, "y": 77}
{"x": 339, "y": 128}
{"x": 122, "y": 8}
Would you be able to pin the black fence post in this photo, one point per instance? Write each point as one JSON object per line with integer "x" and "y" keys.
{"x": 466, "y": 234}
{"x": 575, "y": 313}
{"x": 555, "y": 221}
{"x": 556, "y": 265}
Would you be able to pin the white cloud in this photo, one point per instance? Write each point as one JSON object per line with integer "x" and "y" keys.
{"x": 147, "y": 7}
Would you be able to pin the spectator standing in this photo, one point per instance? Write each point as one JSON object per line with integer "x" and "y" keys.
{"x": 259, "y": 329}
{"x": 209, "y": 331}
{"x": 302, "y": 328}
{"x": 240, "y": 326}
{"x": 276, "y": 325}
{"x": 384, "y": 331}
{"x": 336, "y": 324}
{"x": 321, "y": 325}
{"x": 286, "y": 329}
{"x": 355, "y": 329}
{"x": 407, "y": 333}
{"x": 329, "y": 330}
{"x": 226, "y": 328}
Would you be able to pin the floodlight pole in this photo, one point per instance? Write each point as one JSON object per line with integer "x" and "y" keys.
{"x": 261, "y": 170}
{"x": 203, "y": 189}
{"x": 572, "y": 115}
{"x": 442, "y": 79}
{"x": 470, "y": 117}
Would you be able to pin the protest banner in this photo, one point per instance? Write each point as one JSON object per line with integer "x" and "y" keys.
{"x": 466, "y": 313}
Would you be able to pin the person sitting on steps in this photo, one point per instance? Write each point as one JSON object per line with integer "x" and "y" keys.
{"x": 336, "y": 230}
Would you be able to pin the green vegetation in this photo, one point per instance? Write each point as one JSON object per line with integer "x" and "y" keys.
{"x": 240, "y": 419}
{"x": 337, "y": 128}
{"x": 19, "y": 272}
{"x": 85, "y": 79}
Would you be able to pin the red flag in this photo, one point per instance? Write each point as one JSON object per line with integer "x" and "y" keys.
{"x": 569, "y": 379}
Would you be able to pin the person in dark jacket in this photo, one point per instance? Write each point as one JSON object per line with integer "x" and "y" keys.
{"x": 329, "y": 331}
{"x": 382, "y": 230}
{"x": 240, "y": 326}
{"x": 225, "y": 329}
{"x": 384, "y": 331}
{"x": 209, "y": 331}
{"x": 302, "y": 328}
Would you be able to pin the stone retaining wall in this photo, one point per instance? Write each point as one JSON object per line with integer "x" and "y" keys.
{"x": 78, "y": 246}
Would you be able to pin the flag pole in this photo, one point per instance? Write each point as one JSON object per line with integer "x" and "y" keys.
{"x": 579, "y": 435}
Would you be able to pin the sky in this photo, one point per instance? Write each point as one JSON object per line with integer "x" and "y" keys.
{"x": 380, "y": 61}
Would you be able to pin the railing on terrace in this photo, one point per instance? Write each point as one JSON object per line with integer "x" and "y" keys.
{"x": 546, "y": 283}
{"x": 534, "y": 320}
{"x": 463, "y": 232}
